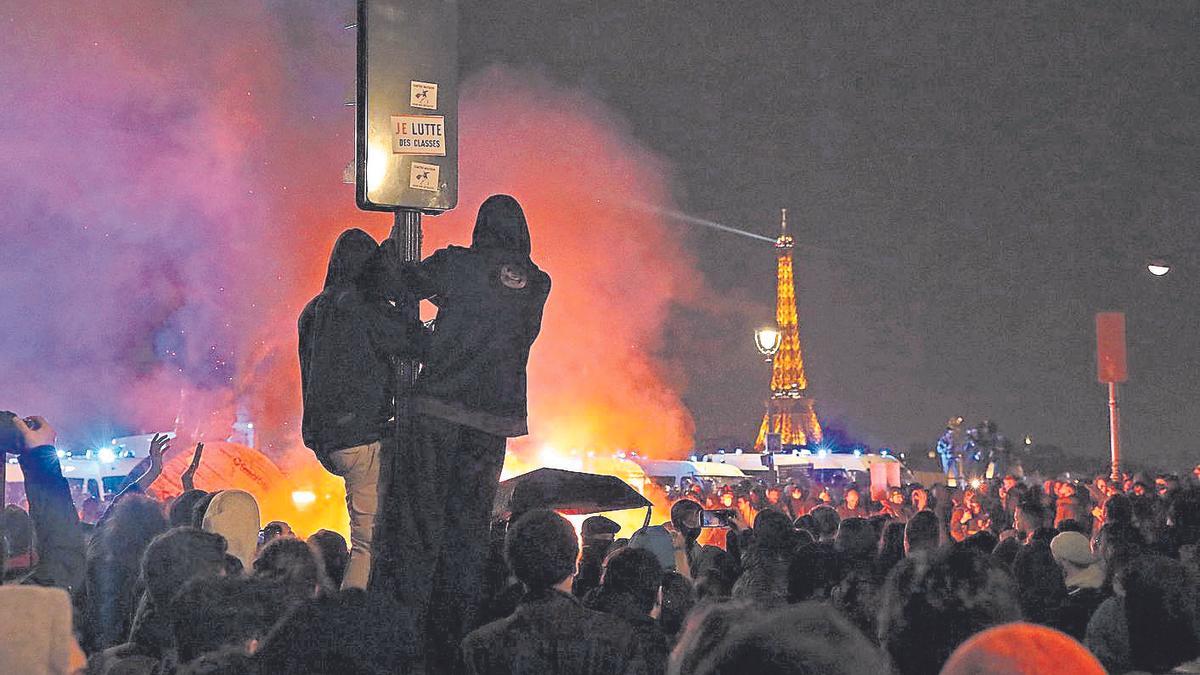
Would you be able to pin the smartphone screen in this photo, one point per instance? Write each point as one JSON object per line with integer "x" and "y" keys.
{"x": 714, "y": 518}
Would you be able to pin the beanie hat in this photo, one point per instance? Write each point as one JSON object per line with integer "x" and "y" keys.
{"x": 1020, "y": 648}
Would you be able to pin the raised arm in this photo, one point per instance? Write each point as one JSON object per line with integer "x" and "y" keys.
{"x": 188, "y": 478}
{"x": 55, "y": 522}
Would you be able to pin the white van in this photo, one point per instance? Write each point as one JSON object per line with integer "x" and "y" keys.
{"x": 752, "y": 464}
{"x": 822, "y": 467}
{"x": 673, "y": 473}
{"x": 98, "y": 478}
{"x": 98, "y": 471}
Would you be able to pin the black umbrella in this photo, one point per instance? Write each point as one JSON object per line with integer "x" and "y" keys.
{"x": 568, "y": 492}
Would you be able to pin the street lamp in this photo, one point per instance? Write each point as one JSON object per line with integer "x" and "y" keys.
{"x": 767, "y": 340}
{"x": 1158, "y": 267}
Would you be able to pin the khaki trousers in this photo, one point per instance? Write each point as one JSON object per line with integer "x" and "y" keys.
{"x": 359, "y": 467}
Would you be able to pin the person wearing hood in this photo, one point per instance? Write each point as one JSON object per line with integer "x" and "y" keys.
{"x": 233, "y": 514}
{"x": 469, "y": 399}
{"x": 348, "y": 333}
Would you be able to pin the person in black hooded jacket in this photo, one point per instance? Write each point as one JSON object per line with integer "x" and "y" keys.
{"x": 347, "y": 335}
{"x": 469, "y": 399}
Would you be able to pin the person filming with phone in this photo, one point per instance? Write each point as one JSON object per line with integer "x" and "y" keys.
{"x": 60, "y": 555}
{"x": 60, "y": 551}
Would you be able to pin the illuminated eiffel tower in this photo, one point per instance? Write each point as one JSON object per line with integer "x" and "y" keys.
{"x": 790, "y": 412}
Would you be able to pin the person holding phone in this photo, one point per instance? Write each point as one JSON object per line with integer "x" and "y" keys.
{"x": 60, "y": 548}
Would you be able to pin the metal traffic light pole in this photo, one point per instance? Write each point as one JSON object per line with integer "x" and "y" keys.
{"x": 406, "y": 232}
{"x": 406, "y": 163}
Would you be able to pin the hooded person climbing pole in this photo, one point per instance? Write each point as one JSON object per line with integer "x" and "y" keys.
{"x": 348, "y": 333}
{"x": 469, "y": 399}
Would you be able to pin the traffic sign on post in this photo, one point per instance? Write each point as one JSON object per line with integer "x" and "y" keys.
{"x": 1110, "y": 347}
{"x": 406, "y": 154}
{"x": 1111, "y": 369}
{"x": 406, "y": 161}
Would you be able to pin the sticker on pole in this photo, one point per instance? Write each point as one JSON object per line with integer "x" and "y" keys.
{"x": 419, "y": 135}
{"x": 422, "y": 95}
{"x": 424, "y": 176}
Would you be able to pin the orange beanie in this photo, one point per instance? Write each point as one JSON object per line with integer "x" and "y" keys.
{"x": 1021, "y": 649}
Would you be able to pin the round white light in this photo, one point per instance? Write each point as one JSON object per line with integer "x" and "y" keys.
{"x": 302, "y": 498}
{"x": 106, "y": 455}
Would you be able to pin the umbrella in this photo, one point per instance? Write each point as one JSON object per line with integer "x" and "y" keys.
{"x": 568, "y": 492}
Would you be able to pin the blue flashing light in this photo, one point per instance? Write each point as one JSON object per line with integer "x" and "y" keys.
{"x": 821, "y": 452}
{"x": 61, "y": 453}
{"x": 106, "y": 455}
{"x": 857, "y": 452}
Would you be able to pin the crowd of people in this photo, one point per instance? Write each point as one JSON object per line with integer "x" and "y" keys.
{"x": 1004, "y": 576}
{"x": 999, "y": 576}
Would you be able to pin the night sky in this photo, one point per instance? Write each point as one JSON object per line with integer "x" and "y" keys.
{"x": 968, "y": 185}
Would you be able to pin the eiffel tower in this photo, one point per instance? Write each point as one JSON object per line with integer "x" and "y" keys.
{"x": 790, "y": 412}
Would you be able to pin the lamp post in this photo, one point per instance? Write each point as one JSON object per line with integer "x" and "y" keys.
{"x": 767, "y": 340}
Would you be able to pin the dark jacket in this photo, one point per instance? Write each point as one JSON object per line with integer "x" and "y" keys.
{"x": 1077, "y": 609}
{"x": 347, "y": 334}
{"x": 652, "y": 641}
{"x": 764, "y": 579}
{"x": 490, "y": 299}
{"x": 151, "y": 644}
{"x": 552, "y": 634}
{"x": 591, "y": 566}
{"x": 60, "y": 550}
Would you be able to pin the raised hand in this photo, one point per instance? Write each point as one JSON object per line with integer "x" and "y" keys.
{"x": 35, "y": 432}
{"x": 159, "y": 445}
{"x": 189, "y": 474}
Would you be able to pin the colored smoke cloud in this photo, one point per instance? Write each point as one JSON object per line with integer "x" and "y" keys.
{"x": 171, "y": 192}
